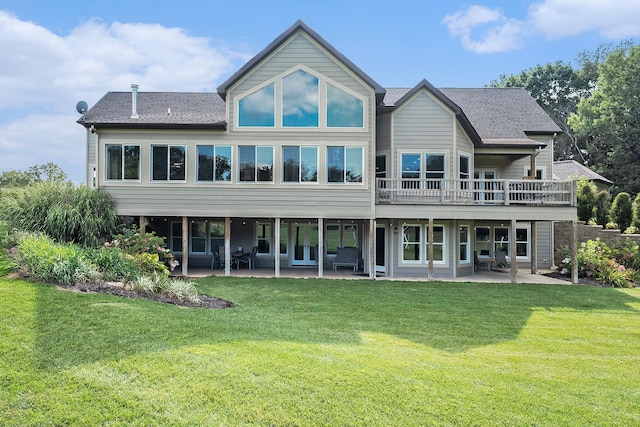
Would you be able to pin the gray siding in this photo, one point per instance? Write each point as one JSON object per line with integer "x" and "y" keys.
{"x": 423, "y": 124}
{"x": 300, "y": 50}
{"x": 383, "y": 134}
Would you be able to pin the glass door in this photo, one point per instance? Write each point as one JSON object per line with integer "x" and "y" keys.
{"x": 305, "y": 244}
{"x": 381, "y": 249}
{"x": 488, "y": 189}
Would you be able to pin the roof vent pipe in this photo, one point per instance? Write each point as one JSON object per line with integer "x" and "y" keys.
{"x": 134, "y": 101}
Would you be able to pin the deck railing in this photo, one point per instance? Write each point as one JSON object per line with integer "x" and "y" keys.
{"x": 475, "y": 192}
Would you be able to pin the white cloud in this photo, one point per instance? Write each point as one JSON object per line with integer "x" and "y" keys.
{"x": 562, "y": 18}
{"x": 485, "y": 30}
{"x": 44, "y": 75}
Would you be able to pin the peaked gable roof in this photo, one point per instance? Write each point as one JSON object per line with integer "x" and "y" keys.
{"x": 299, "y": 26}
{"x": 566, "y": 170}
{"x": 500, "y": 117}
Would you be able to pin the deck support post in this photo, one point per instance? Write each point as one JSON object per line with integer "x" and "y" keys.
{"x": 430, "y": 249}
{"x": 514, "y": 252}
{"x": 372, "y": 249}
{"x": 574, "y": 253}
{"x": 276, "y": 246}
{"x": 227, "y": 246}
{"x": 142, "y": 221}
{"x": 534, "y": 248}
{"x": 320, "y": 254}
{"x": 185, "y": 245}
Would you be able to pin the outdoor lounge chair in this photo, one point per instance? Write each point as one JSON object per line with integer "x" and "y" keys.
{"x": 477, "y": 264}
{"x": 347, "y": 257}
{"x": 501, "y": 260}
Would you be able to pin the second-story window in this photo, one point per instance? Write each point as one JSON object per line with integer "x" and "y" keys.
{"x": 344, "y": 164}
{"x": 168, "y": 162}
{"x": 214, "y": 163}
{"x": 299, "y": 163}
{"x": 122, "y": 162}
{"x": 256, "y": 163}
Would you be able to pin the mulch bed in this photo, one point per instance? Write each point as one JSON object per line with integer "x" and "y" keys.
{"x": 120, "y": 290}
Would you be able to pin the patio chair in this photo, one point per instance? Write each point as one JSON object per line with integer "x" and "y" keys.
{"x": 501, "y": 260}
{"x": 477, "y": 264}
{"x": 251, "y": 260}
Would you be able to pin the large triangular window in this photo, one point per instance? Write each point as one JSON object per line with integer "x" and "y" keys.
{"x": 258, "y": 108}
{"x": 300, "y": 100}
{"x": 343, "y": 110}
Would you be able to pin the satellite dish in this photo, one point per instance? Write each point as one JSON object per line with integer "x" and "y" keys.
{"x": 82, "y": 107}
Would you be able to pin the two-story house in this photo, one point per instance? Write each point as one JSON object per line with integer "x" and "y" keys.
{"x": 300, "y": 153}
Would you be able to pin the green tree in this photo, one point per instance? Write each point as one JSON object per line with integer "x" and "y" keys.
{"x": 37, "y": 173}
{"x": 557, "y": 88}
{"x": 622, "y": 211}
{"x": 601, "y": 211}
{"x": 586, "y": 199}
{"x": 608, "y": 122}
{"x": 66, "y": 213}
{"x": 636, "y": 211}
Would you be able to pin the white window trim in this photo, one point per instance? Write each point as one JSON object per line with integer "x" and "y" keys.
{"x": 255, "y": 181}
{"x": 299, "y": 182}
{"x": 168, "y": 180}
{"x": 420, "y": 243}
{"x": 196, "y": 165}
{"x": 123, "y": 179}
{"x": 468, "y": 243}
{"x": 423, "y": 244}
{"x": 422, "y": 154}
{"x": 325, "y": 169}
{"x": 543, "y": 169}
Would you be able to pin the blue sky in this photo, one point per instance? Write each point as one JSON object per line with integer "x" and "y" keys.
{"x": 53, "y": 54}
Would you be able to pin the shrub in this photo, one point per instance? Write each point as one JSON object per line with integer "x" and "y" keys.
{"x": 621, "y": 210}
{"x": 596, "y": 261}
{"x": 147, "y": 263}
{"x": 611, "y": 225}
{"x": 184, "y": 290}
{"x": 636, "y": 211}
{"x": 601, "y": 209}
{"x": 6, "y": 265}
{"x": 632, "y": 229}
{"x": 115, "y": 265}
{"x": 53, "y": 262}
{"x": 586, "y": 199}
{"x": 132, "y": 242}
{"x": 61, "y": 211}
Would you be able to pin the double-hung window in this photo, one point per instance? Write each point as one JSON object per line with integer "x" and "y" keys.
{"x": 122, "y": 162}
{"x": 299, "y": 163}
{"x": 263, "y": 234}
{"x": 214, "y": 163}
{"x": 464, "y": 247}
{"x": 344, "y": 164}
{"x": 168, "y": 162}
{"x": 256, "y": 163}
{"x": 415, "y": 244}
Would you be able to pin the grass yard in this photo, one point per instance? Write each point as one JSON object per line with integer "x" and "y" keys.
{"x": 323, "y": 352}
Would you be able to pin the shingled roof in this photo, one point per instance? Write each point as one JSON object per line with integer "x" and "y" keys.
{"x": 500, "y": 116}
{"x": 565, "y": 170}
{"x": 159, "y": 110}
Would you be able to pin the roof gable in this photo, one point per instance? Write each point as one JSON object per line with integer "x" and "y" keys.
{"x": 294, "y": 29}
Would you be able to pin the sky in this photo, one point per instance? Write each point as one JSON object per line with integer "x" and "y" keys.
{"x": 54, "y": 54}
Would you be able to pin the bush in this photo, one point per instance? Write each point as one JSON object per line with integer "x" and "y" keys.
{"x": 61, "y": 211}
{"x": 115, "y": 265}
{"x": 586, "y": 199}
{"x": 132, "y": 242}
{"x": 599, "y": 262}
{"x": 636, "y": 211}
{"x": 601, "y": 209}
{"x": 621, "y": 210}
{"x": 6, "y": 265}
{"x": 53, "y": 262}
{"x": 184, "y": 290}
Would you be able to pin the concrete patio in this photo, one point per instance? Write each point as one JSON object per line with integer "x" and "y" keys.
{"x": 504, "y": 276}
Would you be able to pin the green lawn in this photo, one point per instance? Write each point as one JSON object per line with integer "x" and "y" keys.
{"x": 323, "y": 352}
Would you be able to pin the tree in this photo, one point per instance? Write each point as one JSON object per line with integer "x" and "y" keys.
{"x": 608, "y": 122}
{"x": 621, "y": 210}
{"x": 636, "y": 211}
{"x": 601, "y": 211}
{"x": 38, "y": 173}
{"x": 586, "y": 199}
{"x": 557, "y": 87}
